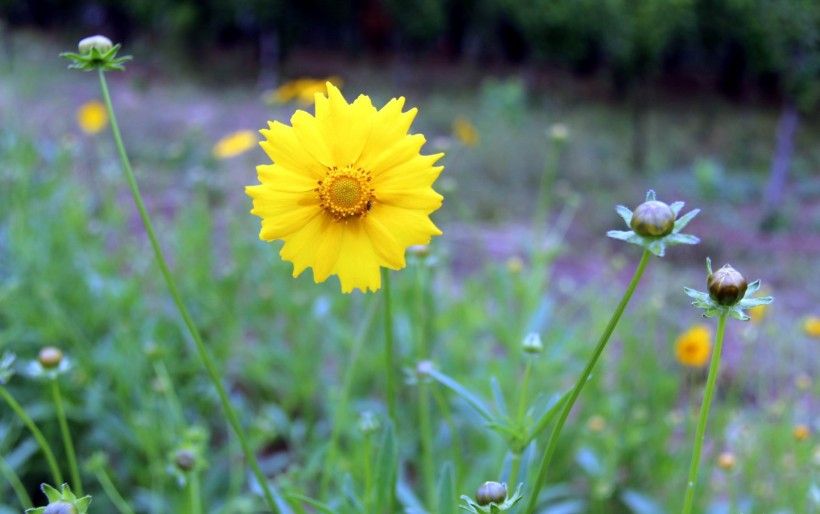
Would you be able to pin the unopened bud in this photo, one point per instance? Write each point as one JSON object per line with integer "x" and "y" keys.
{"x": 653, "y": 219}
{"x": 491, "y": 492}
{"x": 50, "y": 357}
{"x": 185, "y": 459}
{"x": 532, "y": 343}
{"x": 101, "y": 43}
{"x": 61, "y": 507}
{"x": 726, "y": 286}
{"x": 368, "y": 423}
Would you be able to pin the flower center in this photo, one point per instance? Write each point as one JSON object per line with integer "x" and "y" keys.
{"x": 345, "y": 192}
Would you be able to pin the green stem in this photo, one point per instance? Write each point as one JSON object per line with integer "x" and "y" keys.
{"x": 112, "y": 492}
{"x": 368, "y": 474}
{"x": 425, "y": 423}
{"x": 700, "y": 432}
{"x": 344, "y": 395}
{"x": 41, "y": 440}
{"x": 522, "y": 400}
{"x": 169, "y": 392}
{"x": 196, "y": 497}
{"x": 388, "y": 348}
{"x": 67, "y": 442}
{"x": 206, "y": 358}
{"x": 515, "y": 464}
{"x": 16, "y": 484}
{"x": 553, "y": 440}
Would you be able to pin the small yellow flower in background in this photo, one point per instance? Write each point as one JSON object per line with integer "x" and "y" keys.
{"x": 559, "y": 132}
{"x": 726, "y": 460}
{"x": 693, "y": 347}
{"x": 92, "y": 117}
{"x": 234, "y": 144}
{"x": 515, "y": 265}
{"x": 596, "y": 423}
{"x": 802, "y": 382}
{"x": 465, "y": 131}
{"x": 303, "y": 90}
{"x": 812, "y": 326}
{"x": 348, "y": 191}
{"x": 801, "y": 432}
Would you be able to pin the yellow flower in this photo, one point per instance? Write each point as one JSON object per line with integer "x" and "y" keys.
{"x": 726, "y": 460}
{"x": 91, "y": 117}
{"x": 801, "y": 432}
{"x": 693, "y": 347}
{"x": 303, "y": 90}
{"x": 465, "y": 131}
{"x": 234, "y": 144}
{"x": 812, "y": 326}
{"x": 348, "y": 190}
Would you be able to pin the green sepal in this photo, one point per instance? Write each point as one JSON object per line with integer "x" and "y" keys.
{"x": 107, "y": 61}
{"x": 53, "y": 494}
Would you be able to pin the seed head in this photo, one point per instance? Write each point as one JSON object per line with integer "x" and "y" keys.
{"x": 726, "y": 286}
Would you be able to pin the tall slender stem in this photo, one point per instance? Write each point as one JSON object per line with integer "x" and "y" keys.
{"x": 425, "y": 415}
{"x": 582, "y": 380}
{"x": 67, "y": 442}
{"x": 388, "y": 348}
{"x": 700, "y": 433}
{"x": 195, "y": 495}
{"x": 16, "y": 484}
{"x": 206, "y": 358}
{"x": 56, "y": 475}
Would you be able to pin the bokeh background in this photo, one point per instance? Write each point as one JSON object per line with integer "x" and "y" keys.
{"x": 713, "y": 102}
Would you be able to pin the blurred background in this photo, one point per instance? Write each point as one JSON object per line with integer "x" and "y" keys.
{"x": 712, "y": 102}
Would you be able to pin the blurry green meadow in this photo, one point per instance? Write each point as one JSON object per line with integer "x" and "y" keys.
{"x": 77, "y": 272}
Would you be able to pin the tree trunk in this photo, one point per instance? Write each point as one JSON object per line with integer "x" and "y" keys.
{"x": 784, "y": 149}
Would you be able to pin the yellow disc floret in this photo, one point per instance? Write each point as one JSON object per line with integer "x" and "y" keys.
{"x": 345, "y": 193}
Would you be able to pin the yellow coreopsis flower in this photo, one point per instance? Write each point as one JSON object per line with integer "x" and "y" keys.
{"x": 465, "y": 132}
{"x": 234, "y": 144}
{"x": 801, "y": 432}
{"x": 812, "y": 326}
{"x": 693, "y": 347}
{"x": 92, "y": 117}
{"x": 302, "y": 90}
{"x": 348, "y": 190}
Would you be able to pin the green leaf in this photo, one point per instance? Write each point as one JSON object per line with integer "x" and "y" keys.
{"x": 498, "y": 396}
{"x": 697, "y": 295}
{"x": 349, "y": 492}
{"x": 460, "y": 390}
{"x": 623, "y": 235}
{"x": 386, "y": 468}
{"x": 640, "y": 503}
{"x": 682, "y": 239}
{"x": 445, "y": 489}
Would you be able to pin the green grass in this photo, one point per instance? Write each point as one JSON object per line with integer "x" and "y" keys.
{"x": 76, "y": 271}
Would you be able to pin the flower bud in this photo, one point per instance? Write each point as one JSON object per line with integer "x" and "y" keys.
{"x": 61, "y": 507}
{"x": 368, "y": 423}
{"x": 490, "y": 492}
{"x": 532, "y": 343}
{"x": 726, "y": 286}
{"x": 653, "y": 219}
{"x": 50, "y": 357}
{"x": 101, "y": 43}
{"x": 185, "y": 459}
